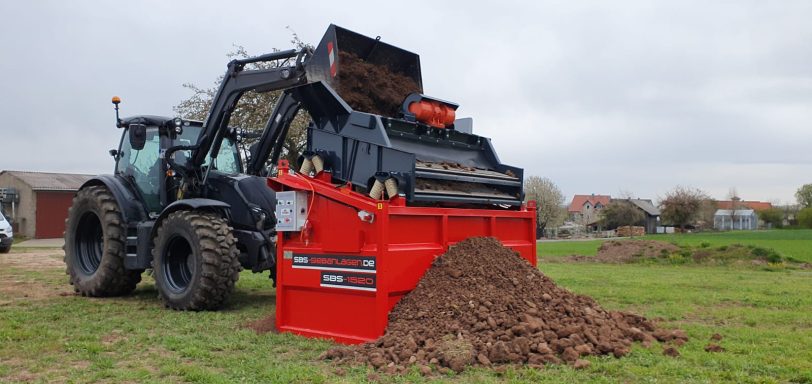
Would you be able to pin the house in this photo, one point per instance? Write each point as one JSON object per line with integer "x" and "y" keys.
{"x": 585, "y": 209}
{"x": 739, "y": 219}
{"x": 37, "y": 203}
{"x": 651, "y": 214}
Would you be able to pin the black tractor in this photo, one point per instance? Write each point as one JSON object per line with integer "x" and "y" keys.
{"x": 180, "y": 202}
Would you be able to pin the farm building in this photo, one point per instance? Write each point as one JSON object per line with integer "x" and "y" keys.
{"x": 37, "y": 203}
{"x": 651, "y": 214}
{"x": 740, "y": 219}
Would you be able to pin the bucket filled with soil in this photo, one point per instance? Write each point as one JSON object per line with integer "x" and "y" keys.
{"x": 481, "y": 304}
{"x": 372, "y": 88}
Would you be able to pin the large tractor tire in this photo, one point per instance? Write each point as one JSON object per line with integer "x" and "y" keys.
{"x": 195, "y": 261}
{"x": 95, "y": 245}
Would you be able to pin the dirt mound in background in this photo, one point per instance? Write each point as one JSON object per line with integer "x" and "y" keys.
{"x": 627, "y": 251}
{"x": 634, "y": 251}
{"x": 372, "y": 88}
{"x": 482, "y": 304}
{"x": 624, "y": 251}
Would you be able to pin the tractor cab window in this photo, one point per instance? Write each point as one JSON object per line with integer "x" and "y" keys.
{"x": 143, "y": 167}
{"x": 189, "y": 136}
{"x": 228, "y": 158}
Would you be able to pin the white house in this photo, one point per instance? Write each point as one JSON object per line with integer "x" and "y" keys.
{"x": 740, "y": 219}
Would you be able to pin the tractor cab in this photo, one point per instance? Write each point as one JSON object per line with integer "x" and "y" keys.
{"x": 140, "y": 158}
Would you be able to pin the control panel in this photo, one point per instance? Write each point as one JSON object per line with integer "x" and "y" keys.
{"x": 291, "y": 211}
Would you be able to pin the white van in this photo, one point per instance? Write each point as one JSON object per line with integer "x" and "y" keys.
{"x": 6, "y": 235}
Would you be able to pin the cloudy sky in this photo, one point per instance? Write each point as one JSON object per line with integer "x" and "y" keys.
{"x": 601, "y": 97}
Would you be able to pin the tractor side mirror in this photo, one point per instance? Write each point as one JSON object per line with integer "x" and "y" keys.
{"x": 138, "y": 136}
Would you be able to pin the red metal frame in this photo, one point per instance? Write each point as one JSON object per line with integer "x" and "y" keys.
{"x": 400, "y": 241}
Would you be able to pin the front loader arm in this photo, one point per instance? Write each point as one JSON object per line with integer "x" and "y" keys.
{"x": 237, "y": 81}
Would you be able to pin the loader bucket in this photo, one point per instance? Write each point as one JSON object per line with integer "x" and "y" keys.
{"x": 326, "y": 63}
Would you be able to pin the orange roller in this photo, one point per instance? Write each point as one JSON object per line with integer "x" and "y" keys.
{"x": 434, "y": 112}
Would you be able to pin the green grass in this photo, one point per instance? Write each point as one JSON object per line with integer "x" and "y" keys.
{"x": 794, "y": 244}
{"x": 763, "y": 316}
{"x": 567, "y": 248}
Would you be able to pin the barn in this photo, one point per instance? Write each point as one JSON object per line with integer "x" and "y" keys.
{"x": 37, "y": 203}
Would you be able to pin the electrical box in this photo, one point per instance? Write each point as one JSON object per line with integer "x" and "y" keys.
{"x": 291, "y": 211}
{"x": 9, "y": 195}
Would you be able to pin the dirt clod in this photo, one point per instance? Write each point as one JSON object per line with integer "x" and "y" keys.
{"x": 716, "y": 337}
{"x": 670, "y": 351}
{"x": 372, "y": 88}
{"x": 500, "y": 310}
{"x": 711, "y": 347}
{"x": 263, "y": 325}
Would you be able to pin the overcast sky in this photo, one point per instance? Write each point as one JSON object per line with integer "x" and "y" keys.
{"x": 601, "y": 97}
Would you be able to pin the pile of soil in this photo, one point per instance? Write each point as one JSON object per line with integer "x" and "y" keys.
{"x": 626, "y": 251}
{"x": 372, "y": 88}
{"x": 482, "y": 304}
{"x": 622, "y": 250}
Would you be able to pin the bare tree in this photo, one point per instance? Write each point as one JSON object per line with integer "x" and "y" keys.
{"x": 549, "y": 198}
{"x": 735, "y": 204}
{"x": 682, "y": 205}
{"x": 253, "y": 109}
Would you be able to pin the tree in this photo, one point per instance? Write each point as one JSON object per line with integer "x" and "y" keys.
{"x": 253, "y": 109}
{"x": 705, "y": 216}
{"x": 804, "y": 195}
{"x": 619, "y": 213}
{"x": 805, "y": 217}
{"x": 549, "y": 199}
{"x": 735, "y": 203}
{"x": 682, "y": 205}
{"x": 772, "y": 216}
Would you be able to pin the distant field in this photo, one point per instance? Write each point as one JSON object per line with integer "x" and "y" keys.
{"x": 796, "y": 244}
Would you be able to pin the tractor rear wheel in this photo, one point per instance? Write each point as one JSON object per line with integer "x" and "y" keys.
{"x": 195, "y": 260}
{"x": 95, "y": 238}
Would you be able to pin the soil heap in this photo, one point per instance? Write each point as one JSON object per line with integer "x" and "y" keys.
{"x": 482, "y": 304}
{"x": 372, "y": 88}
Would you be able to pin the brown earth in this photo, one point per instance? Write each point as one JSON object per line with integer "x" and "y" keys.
{"x": 624, "y": 251}
{"x": 18, "y": 284}
{"x": 372, "y": 88}
{"x": 711, "y": 347}
{"x": 263, "y": 325}
{"x": 481, "y": 304}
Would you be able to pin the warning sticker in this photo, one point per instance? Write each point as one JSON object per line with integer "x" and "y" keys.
{"x": 359, "y": 281}
{"x": 335, "y": 262}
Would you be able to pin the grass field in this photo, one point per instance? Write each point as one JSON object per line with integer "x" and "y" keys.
{"x": 796, "y": 244}
{"x": 47, "y": 335}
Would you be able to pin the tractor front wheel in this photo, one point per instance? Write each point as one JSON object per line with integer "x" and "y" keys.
{"x": 195, "y": 260}
{"x": 95, "y": 238}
